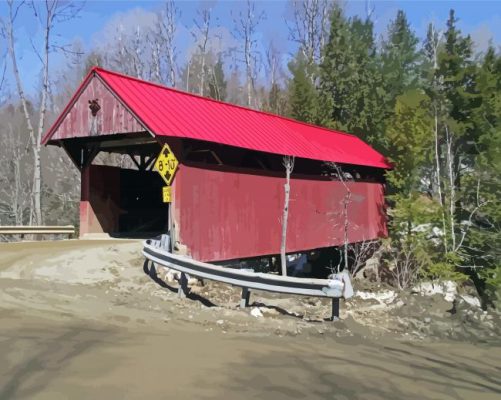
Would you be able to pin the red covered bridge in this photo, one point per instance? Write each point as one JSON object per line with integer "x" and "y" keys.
{"x": 228, "y": 192}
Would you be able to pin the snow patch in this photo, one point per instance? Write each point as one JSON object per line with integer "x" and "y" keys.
{"x": 471, "y": 300}
{"x": 383, "y": 297}
{"x": 446, "y": 288}
{"x": 256, "y": 312}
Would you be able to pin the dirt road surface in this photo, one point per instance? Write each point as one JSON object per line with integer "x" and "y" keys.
{"x": 80, "y": 320}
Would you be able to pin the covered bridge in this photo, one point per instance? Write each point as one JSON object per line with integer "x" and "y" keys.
{"x": 228, "y": 191}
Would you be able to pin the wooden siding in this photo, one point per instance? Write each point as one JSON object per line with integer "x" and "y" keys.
{"x": 229, "y": 215}
{"x": 112, "y": 118}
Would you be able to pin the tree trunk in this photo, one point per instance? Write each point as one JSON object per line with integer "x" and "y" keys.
{"x": 438, "y": 179}
{"x": 452, "y": 189}
{"x": 289, "y": 165}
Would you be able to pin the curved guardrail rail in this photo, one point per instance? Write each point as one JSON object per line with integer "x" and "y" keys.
{"x": 154, "y": 251}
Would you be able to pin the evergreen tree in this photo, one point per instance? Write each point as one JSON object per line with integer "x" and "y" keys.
{"x": 349, "y": 81}
{"x": 303, "y": 97}
{"x": 410, "y": 143}
{"x": 456, "y": 75}
{"x": 483, "y": 185}
{"x": 399, "y": 61}
{"x": 277, "y": 101}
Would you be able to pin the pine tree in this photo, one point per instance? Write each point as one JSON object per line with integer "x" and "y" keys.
{"x": 303, "y": 97}
{"x": 349, "y": 80}
{"x": 410, "y": 143}
{"x": 456, "y": 74}
{"x": 399, "y": 61}
{"x": 484, "y": 184}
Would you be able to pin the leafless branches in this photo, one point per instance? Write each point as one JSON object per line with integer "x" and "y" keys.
{"x": 14, "y": 188}
{"x": 406, "y": 265}
{"x": 245, "y": 29}
{"x": 359, "y": 253}
{"x": 48, "y": 13}
{"x": 288, "y": 163}
{"x": 273, "y": 62}
{"x": 168, "y": 21}
{"x": 342, "y": 177}
{"x": 309, "y": 27}
{"x": 201, "y": 37}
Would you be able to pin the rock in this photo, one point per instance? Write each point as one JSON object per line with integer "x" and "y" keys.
{"x": 471, "y": 300}
{"x": 427, "y": 320}
{"x": 220, "y": 322}
{"x": 269, "y": 311}
{"x": 256, "y": 312}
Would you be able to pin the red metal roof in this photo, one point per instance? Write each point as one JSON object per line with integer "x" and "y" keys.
{"x": 170, "y": 112}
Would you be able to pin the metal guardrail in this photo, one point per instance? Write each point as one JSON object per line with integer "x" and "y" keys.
{"x": 37, "y": 230}
{"x": 156, "y": 252}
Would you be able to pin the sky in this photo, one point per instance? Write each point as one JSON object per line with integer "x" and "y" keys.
{"x": 481, "y": 19}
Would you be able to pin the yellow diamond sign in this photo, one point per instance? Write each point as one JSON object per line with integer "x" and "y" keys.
{"x": 166, "y": 164}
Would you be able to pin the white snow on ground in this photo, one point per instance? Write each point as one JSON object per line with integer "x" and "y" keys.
{"x": 446, "y": 288}
{"x": 383, "y": 297}
{"x": 256, "y": 312}
{"x": 471, "y": 300}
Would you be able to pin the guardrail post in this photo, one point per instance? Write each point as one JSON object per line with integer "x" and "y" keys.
{"x": 244, "y": 299}
{"x": 335, "y": 309}
{"x": 182, "y": 290}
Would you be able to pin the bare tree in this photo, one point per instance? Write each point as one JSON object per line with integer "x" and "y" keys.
{"x": 155, "y": 41}
{"x": 343, "y": 177}
{"x": 452, "y": 187}
{"x": 406, "y": 264}
{"x": 309, "y": 27}
{"x": 168, "y": 20}
{"x": 432, "y": 52}
{"x": 201, "y": 37}
{"x": 48, "y": 14}
{"x": 288, "y": 162}
{"x": 273, "y": 62}
{"x": 3, "y": 69}
{"x": 245, "y": 29}
{"x": 14, "y": 189}
{"x": 359, "y": 253}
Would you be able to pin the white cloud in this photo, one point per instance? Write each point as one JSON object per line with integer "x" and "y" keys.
{"x": 125, "y": 23}
{"x": 481, "y": 37}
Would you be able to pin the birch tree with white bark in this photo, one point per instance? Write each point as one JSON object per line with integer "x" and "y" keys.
{"x": 201, "y": 36}
{"x": 48, "y": 14}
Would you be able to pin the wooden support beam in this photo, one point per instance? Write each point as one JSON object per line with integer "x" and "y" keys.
{"x": 150, "y": 162}
{"x": 133, "y": 158}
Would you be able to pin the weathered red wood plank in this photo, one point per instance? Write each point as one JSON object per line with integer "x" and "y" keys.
{"x": 228, "y": 215}
{"x": 112, "y": 117}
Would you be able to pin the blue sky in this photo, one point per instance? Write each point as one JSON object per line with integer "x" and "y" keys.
{"x": 482, "y": 19}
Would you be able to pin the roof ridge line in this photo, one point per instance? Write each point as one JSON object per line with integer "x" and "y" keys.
{"x": 100, "y": 69}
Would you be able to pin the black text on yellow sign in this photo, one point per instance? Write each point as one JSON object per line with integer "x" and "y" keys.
{"x": 166, "y": 164}
{"x": 166, "y": 194}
